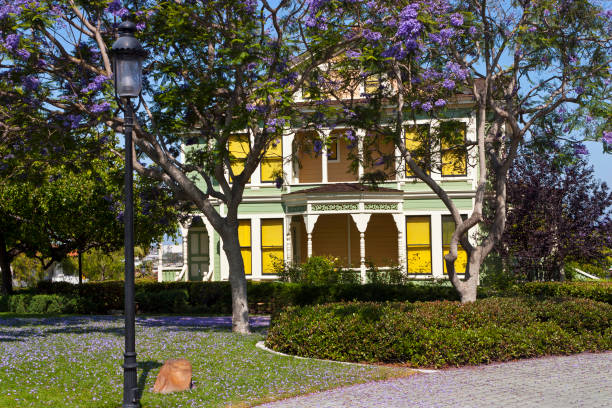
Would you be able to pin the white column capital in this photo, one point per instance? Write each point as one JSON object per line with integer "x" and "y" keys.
{"x": 361, "y": 221}
{"x": 310, "y": 220}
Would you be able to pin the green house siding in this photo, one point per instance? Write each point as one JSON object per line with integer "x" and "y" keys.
{"x": 435, "y": 204}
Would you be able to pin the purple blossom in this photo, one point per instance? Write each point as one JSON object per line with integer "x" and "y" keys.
{"x": 448, "y": 84}
{"x": 350, "y": 135}
{"x": 371, "y": 35}
{"x": 289, "y": 79}
{"x": 116, "y": 8}
{"x": 74, "y": 121}
{"x": 99, "y": 107}
{"x": 415, "y": 104}
{"x": 457, "y": 71}
{"x": 30, "y": 82}
{"x": 395, "y": 51}
{"x": 409, "y": 28}
{"x": 250, "y": 107}
{"x": 580, "y": 149}
{"x": 579, "y": 90}
{"x": 456, "y": 20}
{"x": 443, "y": 37}
{"x": 472, "y": 30}
{"x": 318, "y": 146}
{"x": 532, "y": 29}
{"x": 607, "y": 137}
{"x": 141, "y": 26}
{"x": 440, "y": 103}
{"x": 353, "y": 54}
{"x": 427, "y": 106}
{"x": 12, "y": 41}
{"x": 24, "y": 54}
{"x": 96, "y": 84}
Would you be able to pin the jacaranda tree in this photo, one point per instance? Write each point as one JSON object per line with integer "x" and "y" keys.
{"x": 216, "y": 69}
{"x": 517, "y": 62}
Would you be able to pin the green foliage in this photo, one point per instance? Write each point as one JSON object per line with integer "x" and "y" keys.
{"x": 599, "y": 291}
{"x": 601, "y": 270}
{"x": 27, "y": 270}
{"x": 167, "y": 301}
{"x": 438, "y": 334}
{"x": 317, "y": 270}
{"x": 272, "y": 297}
{"x": 42, "y": 304}
{"x": 393, "y": 275}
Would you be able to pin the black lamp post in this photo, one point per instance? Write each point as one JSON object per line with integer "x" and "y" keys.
{"x": 128, "y": 55}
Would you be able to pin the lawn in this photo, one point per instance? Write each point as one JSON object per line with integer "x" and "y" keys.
{"x": 75, "y": 361}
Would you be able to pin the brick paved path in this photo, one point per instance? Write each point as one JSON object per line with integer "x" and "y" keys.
{"x": 583, "y": 380}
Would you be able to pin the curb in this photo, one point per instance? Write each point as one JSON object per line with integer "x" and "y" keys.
{"x": 261, "y": 345}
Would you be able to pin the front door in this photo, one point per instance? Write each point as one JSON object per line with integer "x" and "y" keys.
{"x": 197, "y": 240}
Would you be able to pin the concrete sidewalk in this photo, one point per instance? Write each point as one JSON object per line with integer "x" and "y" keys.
{"x": 583, "y": 380}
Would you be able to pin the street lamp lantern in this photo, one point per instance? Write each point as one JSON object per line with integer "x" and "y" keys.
{"x": 128, "y": 54}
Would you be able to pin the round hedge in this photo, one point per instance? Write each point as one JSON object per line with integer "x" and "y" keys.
{"x": 438, "y": 334}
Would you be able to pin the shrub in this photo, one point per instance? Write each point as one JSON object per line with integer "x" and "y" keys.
{"x": 317, "y": 270}
{"x": 44, "y": 304}
{"x": 393, "y": 275}
{"x": 600, "y": 291}
{"x": 167, "y": 301}
{"x": 437, "y": 334}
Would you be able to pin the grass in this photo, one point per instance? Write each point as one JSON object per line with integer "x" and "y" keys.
{"x": 75, "y": 361}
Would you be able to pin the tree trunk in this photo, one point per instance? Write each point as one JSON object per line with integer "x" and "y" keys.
{"x": 240, "y": 308}
{"x": 5, "y": 265}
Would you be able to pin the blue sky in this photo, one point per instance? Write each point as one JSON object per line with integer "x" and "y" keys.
{"x": 602, "y": 162}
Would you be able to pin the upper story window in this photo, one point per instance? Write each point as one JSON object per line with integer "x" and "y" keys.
{"x": 453, "y": 151}
{"x": 238, "y": 147}
{"x": 272, "y": 162}
{"x": 372, "y": 84}
{"x": 418, "y": 144}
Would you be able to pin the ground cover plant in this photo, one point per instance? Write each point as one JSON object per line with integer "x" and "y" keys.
{"x": 438, "y": 334}
{"x": 76, "y": 361}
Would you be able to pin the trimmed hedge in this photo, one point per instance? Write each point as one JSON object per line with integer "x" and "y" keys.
{"x": 43, "y": 304}
{"x": 271, "y": 297}
{"x": 600, "y": 291}
{"x": 438, "y": 334}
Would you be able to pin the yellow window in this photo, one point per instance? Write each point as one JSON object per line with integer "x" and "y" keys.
{"x": 244, "y": 238}
{"x": 454, "y": 156}
{"x": 418, "y": 244}
{"x": 372, "y": 83}
{"x": 271, "y": 244}
{"x": 238, "y": 147}
{"x": 448, "y": 228}
{"x": 272, "y": 162}
{"x": 415, "y": 137}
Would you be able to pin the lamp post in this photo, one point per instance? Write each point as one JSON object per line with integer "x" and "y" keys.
{"x": 128, "y": 55}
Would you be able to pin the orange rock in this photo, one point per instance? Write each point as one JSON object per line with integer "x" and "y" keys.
{"x": 175, "y": 375}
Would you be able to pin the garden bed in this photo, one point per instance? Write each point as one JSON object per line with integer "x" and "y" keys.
{"x": 439, "y": 334}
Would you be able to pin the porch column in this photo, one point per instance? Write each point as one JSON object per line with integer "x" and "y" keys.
{"x": 361, "y": 221}
{"x": 401, "y": 241}
{"x": 360, "y": 134}
{"x": 288, "y": 256}
{"x": 326, "y": 134}
{"x": 287, "y": 147}
{"x": 310, "y": 220}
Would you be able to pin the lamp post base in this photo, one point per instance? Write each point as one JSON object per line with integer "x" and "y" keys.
{"x": 130, "y": 381}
